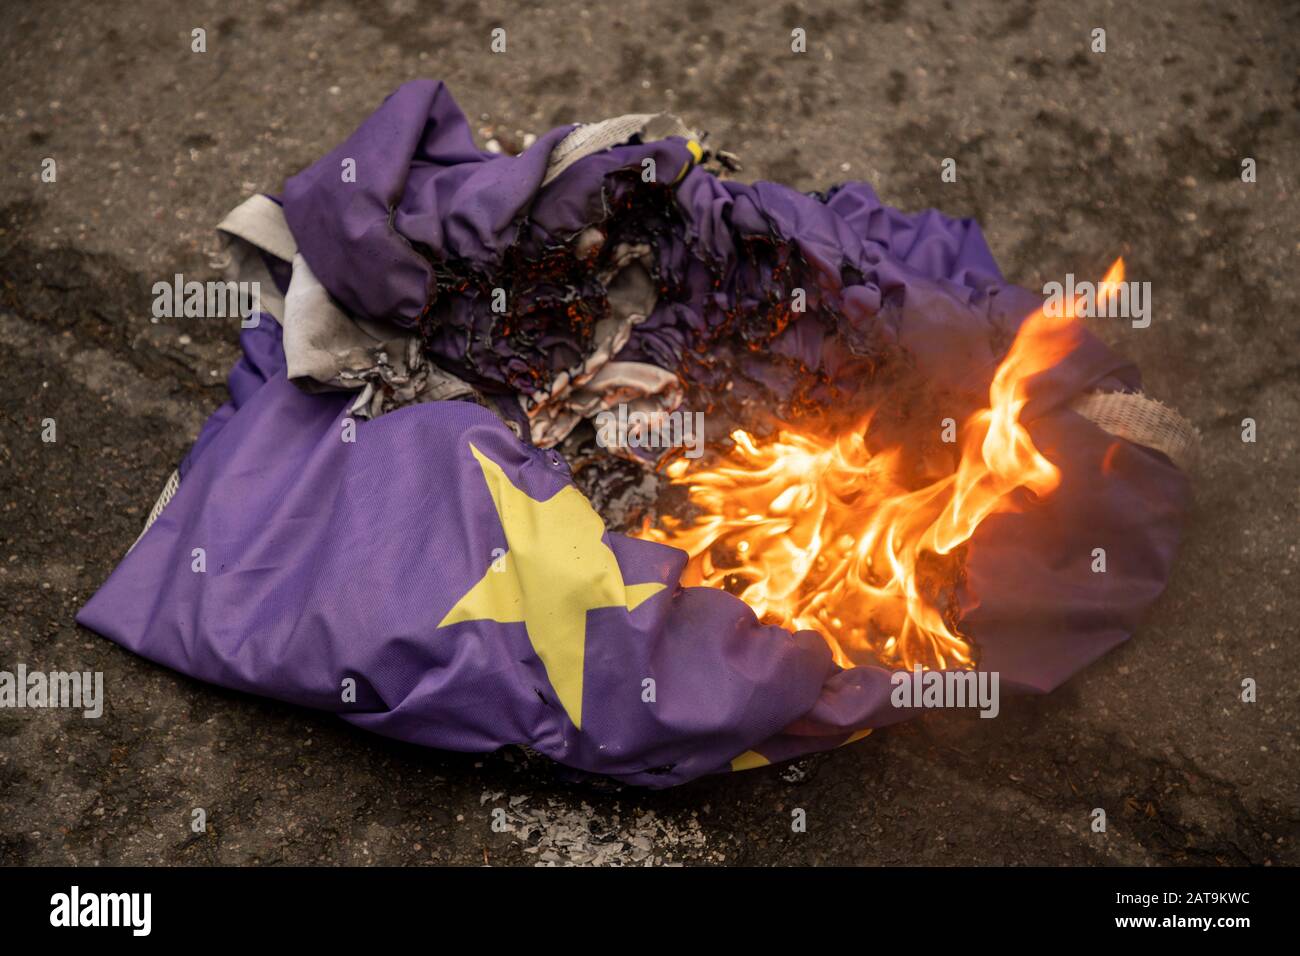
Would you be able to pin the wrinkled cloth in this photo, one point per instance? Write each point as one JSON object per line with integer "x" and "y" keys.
{"x": 325, "y": 348}
{"x": 644, "y": 389}
{"x": 441, "y": 566}
{"x": 439, "y": 225}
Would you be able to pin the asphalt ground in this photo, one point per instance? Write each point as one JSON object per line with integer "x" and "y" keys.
{"x": 1067, "y": 157}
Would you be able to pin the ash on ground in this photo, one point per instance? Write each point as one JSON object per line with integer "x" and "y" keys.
{"x": 559, "y": 834}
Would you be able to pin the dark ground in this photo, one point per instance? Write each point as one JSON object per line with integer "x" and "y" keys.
{"x": 1068, "y": 158}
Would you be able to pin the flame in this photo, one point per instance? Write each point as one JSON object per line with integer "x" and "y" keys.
{"x": 818, "y": 532}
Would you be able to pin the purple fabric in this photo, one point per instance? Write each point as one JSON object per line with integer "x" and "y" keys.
{"x": 329, "y": 560}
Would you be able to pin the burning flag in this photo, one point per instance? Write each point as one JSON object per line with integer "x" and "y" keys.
{"x": 383, "y": 521}
{"x": 828, "y": 537}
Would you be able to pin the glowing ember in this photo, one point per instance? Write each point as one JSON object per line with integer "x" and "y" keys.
{"x": 817, "y": 532}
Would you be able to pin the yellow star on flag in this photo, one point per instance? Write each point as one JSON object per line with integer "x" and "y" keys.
{"x": 556, "y": 569}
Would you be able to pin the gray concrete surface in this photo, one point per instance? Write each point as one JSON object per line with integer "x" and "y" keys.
{"x": 1067, "y": 157}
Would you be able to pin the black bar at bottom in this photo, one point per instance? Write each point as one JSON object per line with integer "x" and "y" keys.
{"x": 214, "y": 906}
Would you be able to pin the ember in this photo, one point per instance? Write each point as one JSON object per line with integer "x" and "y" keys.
{"x": 814, "y": 531}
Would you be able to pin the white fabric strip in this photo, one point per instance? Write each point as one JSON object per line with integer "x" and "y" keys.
{"x": 260, "y": 222}
{"x": 1143, "y": 421}
{"x": 593, "y": 137}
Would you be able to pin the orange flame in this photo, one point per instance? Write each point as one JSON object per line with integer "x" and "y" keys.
{"x": 817, "y": 532}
